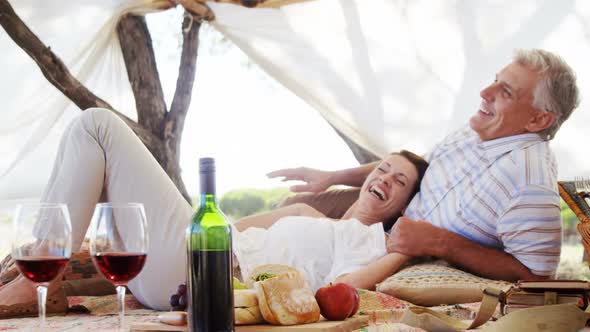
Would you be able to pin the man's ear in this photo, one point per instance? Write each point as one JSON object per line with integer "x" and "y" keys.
{"x": 541, "y": 121}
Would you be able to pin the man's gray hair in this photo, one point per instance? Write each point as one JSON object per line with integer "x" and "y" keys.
{"x": 556, "y": 91}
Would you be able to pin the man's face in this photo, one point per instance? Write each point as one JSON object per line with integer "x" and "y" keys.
{"x": 506, "y": 107}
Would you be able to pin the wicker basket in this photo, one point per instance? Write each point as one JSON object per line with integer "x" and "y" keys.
{"x": 580, "y": 208}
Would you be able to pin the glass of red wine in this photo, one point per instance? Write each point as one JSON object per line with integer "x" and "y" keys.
{"x": 118, "y": 245}
{"x": 41, "y": 245}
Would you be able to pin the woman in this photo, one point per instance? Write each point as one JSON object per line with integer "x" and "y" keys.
{"x": 101, "y": 159}
{"x": 352, "y": 249}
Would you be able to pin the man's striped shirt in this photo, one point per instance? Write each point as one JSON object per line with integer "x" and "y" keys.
{"x": 500, "y": 193}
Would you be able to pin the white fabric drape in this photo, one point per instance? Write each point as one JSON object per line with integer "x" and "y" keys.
{"x": 34, "y": 113}
{"x": 390, "y": 74}
{"x": 401, "y": 74}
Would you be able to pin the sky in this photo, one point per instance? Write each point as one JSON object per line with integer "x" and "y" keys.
{"x": 239, "y": 115}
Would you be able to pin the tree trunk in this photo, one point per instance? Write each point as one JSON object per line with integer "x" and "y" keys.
{"x": 143, "y": 75}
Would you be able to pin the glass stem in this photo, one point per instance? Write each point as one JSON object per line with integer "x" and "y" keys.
{"x": 41, "y": 300}
{"x": 121, "y": 305}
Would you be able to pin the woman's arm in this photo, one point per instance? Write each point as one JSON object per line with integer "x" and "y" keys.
{"x": 266, "y": 219}
{"x": 318, "y": 181}
{"x": 368, "y": 276}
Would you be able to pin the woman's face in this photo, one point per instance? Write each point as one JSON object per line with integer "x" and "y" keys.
{"x": 387, "y": 189}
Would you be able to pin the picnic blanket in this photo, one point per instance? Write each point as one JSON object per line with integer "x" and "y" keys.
{"x": 99, "y": 314}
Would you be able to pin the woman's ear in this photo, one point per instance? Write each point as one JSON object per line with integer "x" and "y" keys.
{"x": 541, "y": 121}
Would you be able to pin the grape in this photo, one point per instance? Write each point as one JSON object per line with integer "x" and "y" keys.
{"x": 182, "y": 301}
{"x": 181, "y": 289}
{"x": 174, "y": 299}
{"x": 179, "y": 300}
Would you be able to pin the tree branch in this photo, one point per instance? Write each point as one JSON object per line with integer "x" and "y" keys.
{"x": 174, "y": 124}
{"x": 51, "y": 66}
{"x": 184, "y": 85}
{"x": 138, "y": 53}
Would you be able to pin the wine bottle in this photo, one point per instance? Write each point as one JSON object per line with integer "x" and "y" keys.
{"x": 210, "y": 287}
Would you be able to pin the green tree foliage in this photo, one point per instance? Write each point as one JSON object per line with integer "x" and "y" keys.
{"x": 244, "y": 202}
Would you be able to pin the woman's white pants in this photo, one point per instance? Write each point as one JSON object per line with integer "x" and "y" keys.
{"x": 101, "y": 159}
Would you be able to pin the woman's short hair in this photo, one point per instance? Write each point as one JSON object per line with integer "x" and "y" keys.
{"x": 556, "y": 91}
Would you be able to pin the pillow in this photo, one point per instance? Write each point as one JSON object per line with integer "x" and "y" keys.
{"x": 436, "y": 283}
{"x": 331, "y": 203}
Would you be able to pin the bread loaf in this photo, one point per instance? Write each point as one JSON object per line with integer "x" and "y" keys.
{"x": 244, "y": 298}
{"x": 268, "y": 270}
{"x": 246, "y": 316}
{"x": 246, "y": 307}
{"x": 287, "y": 300}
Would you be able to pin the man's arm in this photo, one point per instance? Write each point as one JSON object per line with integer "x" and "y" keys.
{"x": 317, "y": 180}
{"x": 368, "y": 276}
{"x": 420, "y": 238}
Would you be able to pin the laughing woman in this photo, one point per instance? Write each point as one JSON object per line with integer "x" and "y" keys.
{"x": 352, "y": 249}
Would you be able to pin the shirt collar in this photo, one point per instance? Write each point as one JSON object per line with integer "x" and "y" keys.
{"x": 499, "y": 146}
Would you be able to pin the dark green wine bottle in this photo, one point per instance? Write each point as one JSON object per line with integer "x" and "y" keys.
{"x": 210, "y": 283}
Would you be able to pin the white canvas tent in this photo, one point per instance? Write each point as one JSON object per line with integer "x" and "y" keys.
{"x": 389, "y": 74}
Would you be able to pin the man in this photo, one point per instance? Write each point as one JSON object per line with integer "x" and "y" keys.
{"x": 488, "y": 202}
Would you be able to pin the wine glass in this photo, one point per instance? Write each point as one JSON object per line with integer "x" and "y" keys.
{"x": 41, "y": 245}
{"x": 118, "y": 245}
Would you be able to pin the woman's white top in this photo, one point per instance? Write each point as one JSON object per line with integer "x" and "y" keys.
{"x": 321, "y": 248}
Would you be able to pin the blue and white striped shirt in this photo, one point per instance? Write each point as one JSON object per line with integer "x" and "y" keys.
{"x": 500, "y": 193}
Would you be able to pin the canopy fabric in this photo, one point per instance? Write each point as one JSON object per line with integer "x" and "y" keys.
{"x": 402, "y": 74}
{"x": 34, "y": 113}
{"x": 389, "y": 74}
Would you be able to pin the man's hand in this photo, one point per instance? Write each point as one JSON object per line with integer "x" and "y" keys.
{"x": 316, "y": 180}
{"x": 420, "y": 238}
{"x": 412, "y": 238}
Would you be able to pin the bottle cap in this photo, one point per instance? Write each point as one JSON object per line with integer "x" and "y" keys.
{"x": 206, "y": 165}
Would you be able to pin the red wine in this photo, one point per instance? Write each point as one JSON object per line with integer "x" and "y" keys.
{"x": 42, "y": 268}
{"x": 120, "y": 267}
{"x": 210, "y": 291}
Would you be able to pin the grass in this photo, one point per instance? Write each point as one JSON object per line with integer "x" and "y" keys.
{"x": 572, "y": 265}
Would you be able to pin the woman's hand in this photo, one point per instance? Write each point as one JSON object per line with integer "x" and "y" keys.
{"x": 316, "y": 180}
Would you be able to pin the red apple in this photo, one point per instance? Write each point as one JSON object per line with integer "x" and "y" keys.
{"x": 357, "y": 299}
{"x": 336, "y": 301}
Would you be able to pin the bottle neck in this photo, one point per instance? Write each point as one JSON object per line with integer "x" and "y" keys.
{"x": 208, "y": 201}
{"x": 207, "y": 183}
{"x": 207, "y": 189}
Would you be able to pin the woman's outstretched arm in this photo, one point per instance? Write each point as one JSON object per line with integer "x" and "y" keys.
{"x": 368, "y": 276}
{"x": 267, "y": 219}
{"x": 317, "y": 181}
